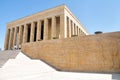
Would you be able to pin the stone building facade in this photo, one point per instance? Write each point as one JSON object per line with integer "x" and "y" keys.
{"x": 54, "y": 23}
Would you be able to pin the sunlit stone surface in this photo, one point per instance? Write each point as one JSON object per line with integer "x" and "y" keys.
{"x": 24, "y": 68}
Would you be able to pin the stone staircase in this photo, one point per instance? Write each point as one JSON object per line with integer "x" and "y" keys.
{"x": 6, "y": 55}
{"x": 18, "y": 66}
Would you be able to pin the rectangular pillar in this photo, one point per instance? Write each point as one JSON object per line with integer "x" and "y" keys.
{"x": 79, "y": 31}
{"x": 75, "y": 29}
{"x": 67, "y": 23}
{"x": 45, "y": 29}
{"x": 53, "y": 27}
{"x": 38, "y": 30}
{"x": 17, "y": 37}
{"x": 62, "y": 30}
{"x": 7, "y": 39}
{"x": 14, "y": 38}
{"x": 11, "y": 39}
{"x": 70, "y": 28}
{"x": 13, "y": 32}
{"x": 25, "y": 33}
{"x": 20, "y": 36}
{"x": 32, "y": 32}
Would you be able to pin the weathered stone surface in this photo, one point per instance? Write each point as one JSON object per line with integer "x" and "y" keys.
{"x": 92, "y": 53}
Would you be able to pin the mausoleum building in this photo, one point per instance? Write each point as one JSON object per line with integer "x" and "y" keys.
{"x": 54, "y": 23}
{"x": 57, "y": 37}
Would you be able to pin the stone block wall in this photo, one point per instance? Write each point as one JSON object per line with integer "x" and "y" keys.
{"x": 92, "y": 53}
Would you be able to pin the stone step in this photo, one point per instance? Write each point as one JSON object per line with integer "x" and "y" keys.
{"x": 36, "y": 64}
{"x": 6, "y": 55}
{"x": 24, "y": 68}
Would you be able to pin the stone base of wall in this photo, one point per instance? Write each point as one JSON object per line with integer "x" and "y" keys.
{"x": 92, "y": 53}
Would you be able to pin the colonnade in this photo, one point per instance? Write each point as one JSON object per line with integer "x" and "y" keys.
{"x": 44, "y": 29}
{"x": 73, "y": 29}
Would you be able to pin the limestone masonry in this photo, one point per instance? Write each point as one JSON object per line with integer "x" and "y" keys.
{"x": 55, "y": 23}
{"x": 92, "y": 53}
{"x": 56, "y": 37}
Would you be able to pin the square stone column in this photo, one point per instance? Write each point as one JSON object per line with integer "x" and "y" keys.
{"x": 53, "y": 27}
{"x": 14, "y": 38}
{"x": 32, "y": 32}
{"x": 20, "y": 36}
{"x": 67, "y": 23}
{"x": 25, "y": 33}
{"x": 78, "y": 30}
{"x": 38, "y": 30}
{"x": 45, "y": 29}
{"x": 7, "y": 39}
{"x": 63, "y": 28}
{"x": 11, "y": 39}
{"x": 69, "y": 28}
{"x": 75, "y": 29}
{"x": 72, "y": 27}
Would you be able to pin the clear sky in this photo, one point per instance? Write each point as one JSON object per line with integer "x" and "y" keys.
{"x": 95, "y": 15}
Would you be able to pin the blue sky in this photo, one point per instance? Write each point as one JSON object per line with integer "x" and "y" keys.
{"x": 95, "y": 15}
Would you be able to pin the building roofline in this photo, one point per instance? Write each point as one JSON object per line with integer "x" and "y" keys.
{"x": 37, "y": 13}
{"x": 49, "y": 9}
{"x": 75, "y": 17}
